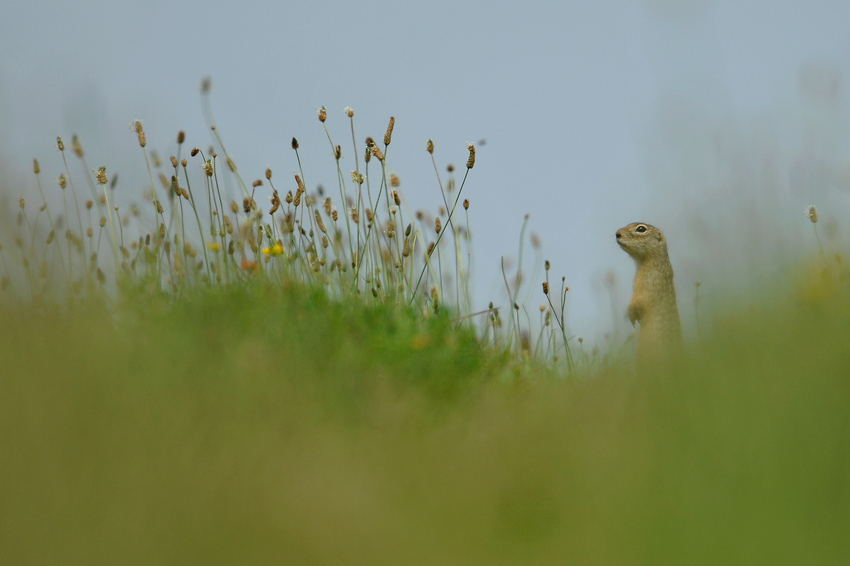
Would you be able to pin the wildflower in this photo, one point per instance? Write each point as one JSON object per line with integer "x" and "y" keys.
{"x": 358, "y": 177}
{"x": 250, "y": 265}
{"x": 349, "y": 111}
{"x": 207, "y": 166}
{"x": 275, "y": 250}
{"x": 389, "y": 135}
{"x": 323, "y": 114}
{"x": 470, "y": 163}
{"x": 136, "y": 126}
{"x": 76, "y": 145}
{"x": 100, "y": 174}
{"x": 214, "y": 246}
{"x": 812, "y": 213}
{"x": 319, "y": 222}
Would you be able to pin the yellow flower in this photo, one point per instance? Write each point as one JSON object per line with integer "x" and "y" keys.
{"x": 276, "y": 249}
{"x": 214, "y": 246}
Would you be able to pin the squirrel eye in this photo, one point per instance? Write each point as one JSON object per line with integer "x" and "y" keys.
{"x": 641, "y": 229}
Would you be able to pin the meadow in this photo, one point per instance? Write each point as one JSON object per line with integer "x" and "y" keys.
{"x": 213, "y": 379}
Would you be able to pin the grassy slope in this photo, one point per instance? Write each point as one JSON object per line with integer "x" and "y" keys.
{"x": 261, "y": 426}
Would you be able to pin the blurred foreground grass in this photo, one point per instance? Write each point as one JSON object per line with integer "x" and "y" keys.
{"x": 271, "y": 425}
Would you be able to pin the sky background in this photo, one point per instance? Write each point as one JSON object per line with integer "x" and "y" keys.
{"x": 717, "y": 121}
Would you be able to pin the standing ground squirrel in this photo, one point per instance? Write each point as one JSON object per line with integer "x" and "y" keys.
{"x": 654, "y": 301}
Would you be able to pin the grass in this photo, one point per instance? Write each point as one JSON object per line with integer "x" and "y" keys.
{"x": 275, "y": 417}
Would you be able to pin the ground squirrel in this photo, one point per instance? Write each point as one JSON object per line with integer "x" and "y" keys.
{"x": 654, "y": 301}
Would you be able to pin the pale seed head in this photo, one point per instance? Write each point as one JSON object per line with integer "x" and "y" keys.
{"x": 76, "y": 145}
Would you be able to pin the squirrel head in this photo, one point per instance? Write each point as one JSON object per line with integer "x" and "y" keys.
{"x": 642, "y": 241}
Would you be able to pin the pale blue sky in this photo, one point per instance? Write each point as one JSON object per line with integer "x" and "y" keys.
{"x": 716, "y": 121}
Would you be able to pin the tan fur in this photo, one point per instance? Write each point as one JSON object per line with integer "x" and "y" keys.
{"x": 654, "y": 302}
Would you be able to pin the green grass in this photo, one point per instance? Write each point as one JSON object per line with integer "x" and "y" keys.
{"x": 267, "y": 425}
